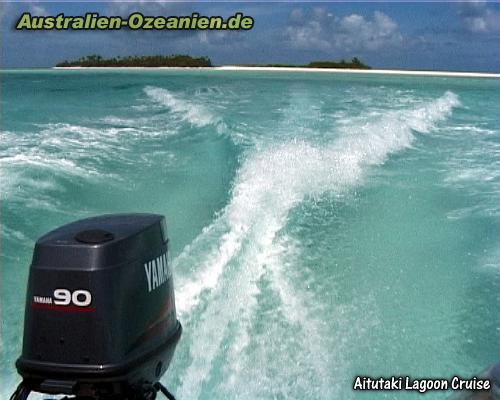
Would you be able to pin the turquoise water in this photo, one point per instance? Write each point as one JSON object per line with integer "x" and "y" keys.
{"x": 322, "y": 226}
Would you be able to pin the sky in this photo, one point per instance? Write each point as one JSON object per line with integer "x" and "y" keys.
{"x": 461, "y": 36}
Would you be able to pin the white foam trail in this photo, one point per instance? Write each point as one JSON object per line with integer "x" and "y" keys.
{"x": 30, "y": 163}
{"x": 225, "y": 307}
{"x": 66, "y": 151}
{"x": 59, "y": 164}
{"x": 210, "y": 272}
{"x": 472, "y": 166}
{"x": 62, "y": 147}
{"x": 15, "y": 234}
{"x": 273, "y": 180}
{"x": 188, "y": 110}
{"x": 269, "y": 184}
{"x": 310, "y": 371}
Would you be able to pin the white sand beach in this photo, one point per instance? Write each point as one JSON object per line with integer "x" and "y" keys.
{"x": 363, "y": 71}
{"x": 455, "y": 74}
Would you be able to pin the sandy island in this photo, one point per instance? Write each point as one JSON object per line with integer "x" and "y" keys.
{"x": 303, "y": 69}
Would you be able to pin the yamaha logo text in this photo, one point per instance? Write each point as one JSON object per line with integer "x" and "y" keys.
{"x": 157, "y": 272}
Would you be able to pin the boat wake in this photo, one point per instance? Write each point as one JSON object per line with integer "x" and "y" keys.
{"x": 244, "y": 257}
{"x": 188, "y": 110}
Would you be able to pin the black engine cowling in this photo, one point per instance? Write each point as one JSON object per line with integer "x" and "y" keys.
{"x": 100, "y": 311}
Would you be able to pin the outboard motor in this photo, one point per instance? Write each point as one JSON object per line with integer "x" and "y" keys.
{"x": 100, "y": 319}
{"x": 495, "y": 381}
{"x": 493, "y": 374}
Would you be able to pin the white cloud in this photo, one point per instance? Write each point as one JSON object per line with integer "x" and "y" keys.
{"x": 478, "y": 18}
{"x": 185, "y": 39}
{"x": 321, "y": 30}
{"x": 476, "y": 24}
{"x": 37, "y": 10}
{"x": 13, "y": 10}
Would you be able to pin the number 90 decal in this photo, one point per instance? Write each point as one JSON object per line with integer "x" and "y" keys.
{"x": 79, "y": 298}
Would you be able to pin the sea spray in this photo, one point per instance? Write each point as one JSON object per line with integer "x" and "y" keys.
{"x": 298, "y": 169}
{"x": 365, "y": 252}
{"x": 270, "y": 182}
{"x": 189, "y": 111}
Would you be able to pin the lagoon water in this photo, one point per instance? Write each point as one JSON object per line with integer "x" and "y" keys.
{"x": 322, "y": 226}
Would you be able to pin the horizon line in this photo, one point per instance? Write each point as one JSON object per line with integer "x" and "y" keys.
{"x": 232, "y": 67}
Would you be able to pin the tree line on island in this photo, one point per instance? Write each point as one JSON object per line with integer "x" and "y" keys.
{"x": 180, "y": 60}
{"x": 355, "y": 63}
{"x": 177, "y": 60}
